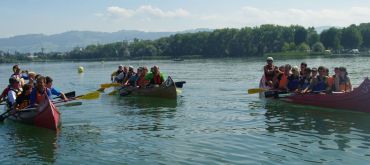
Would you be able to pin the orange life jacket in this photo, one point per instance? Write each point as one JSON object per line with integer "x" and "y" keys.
{"x": 344, "y": 85}
{"x": 283, "y": 81}
{"x": 331, "y": 80}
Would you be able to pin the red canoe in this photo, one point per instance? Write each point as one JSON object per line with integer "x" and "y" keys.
{"x": 357, "y": 100}
{"x": 46, "y": 116}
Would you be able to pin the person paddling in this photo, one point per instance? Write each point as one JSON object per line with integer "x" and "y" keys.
{"x": 23, "y": 100}
{"x": 54, "y": 91}
{"x": 343, "y": 84}
{"x": 40, "y": 93}
{"x": 269, "y": 72}
{"x": 17, "y": 75}
{"x": 117, "y": 76}
{"x": 156, "y": 77}
{"x": 13, "y": 92}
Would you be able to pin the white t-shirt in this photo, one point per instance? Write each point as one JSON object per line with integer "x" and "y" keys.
{"x": 12, "y": 96}
{"x": 121, "y": 76}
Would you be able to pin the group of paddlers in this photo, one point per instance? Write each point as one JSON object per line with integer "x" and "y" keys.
{"x": 20, "y": 94}
{"x": 141, "y": 78}
{"x": 305, "y": 79}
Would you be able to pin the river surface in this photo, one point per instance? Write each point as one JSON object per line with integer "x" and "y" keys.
{"x": 213, "y": 121}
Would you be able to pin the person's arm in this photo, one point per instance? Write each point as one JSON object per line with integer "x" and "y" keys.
{"x": 33, "y": 97}
{"x": 349, "y": 84}
{"x": 56, "y": 92}
{"x": 162, "y": 77}
{"x": 48, "y": 92}
{"x": 114, "y": 74}
{"x": 336, "y": 84}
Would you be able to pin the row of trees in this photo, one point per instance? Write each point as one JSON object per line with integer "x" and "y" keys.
{"x": 228, "y": 42}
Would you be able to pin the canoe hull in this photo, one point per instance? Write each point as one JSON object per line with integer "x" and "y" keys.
{"x": 166, "y": 90}
{"x": 46, "y": 116}
{"x": 357, "y": 100}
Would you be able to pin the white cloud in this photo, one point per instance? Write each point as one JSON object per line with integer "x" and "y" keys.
{"x": 146, "y": 11}
{"x": 306, "y": 17}
{"x": 150, "y": 18}
{"x": 120, "y": 12}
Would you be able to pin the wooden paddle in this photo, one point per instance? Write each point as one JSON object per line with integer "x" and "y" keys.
{"x": 256, "y": 90}
{"x": 68, "y": 95}
{"x": 88, "y": 96}
{"x": 179, "y": 84}
{"x": 108, "y": 85}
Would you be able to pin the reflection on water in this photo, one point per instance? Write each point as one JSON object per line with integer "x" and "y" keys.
{"x": 39, "y": 144}
{"x": 305, "y": 129}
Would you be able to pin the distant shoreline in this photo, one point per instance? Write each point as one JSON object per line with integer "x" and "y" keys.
{"x": 281, "y": 55}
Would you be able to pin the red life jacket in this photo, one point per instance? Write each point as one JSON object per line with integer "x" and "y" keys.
{"x": 40, "y": 97}
{"x": 5, "y": 92}
{"x": 157, "y": 79}
{"x": 269, "y": 76}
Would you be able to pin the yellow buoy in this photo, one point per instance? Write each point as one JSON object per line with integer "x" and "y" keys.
{"x": 80, "y": 69}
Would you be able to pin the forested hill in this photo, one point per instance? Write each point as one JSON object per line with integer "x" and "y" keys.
{"x": 248, "y": 41}
{"x": 228, "y": 42}
{"x": 67, "y": 41}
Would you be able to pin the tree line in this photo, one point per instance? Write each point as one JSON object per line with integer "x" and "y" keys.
{"x": 228, "y": 42}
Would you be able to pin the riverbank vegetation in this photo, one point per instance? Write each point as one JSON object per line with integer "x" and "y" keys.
{"x": 229, "y": 42}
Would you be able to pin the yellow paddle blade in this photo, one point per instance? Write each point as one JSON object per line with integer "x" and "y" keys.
{"x": 113, "y": 93}
{"x": 110, "y": 85}
{"x": 178, "y": 91}
{"x": 256, "y": 90}
{"x": 101, "y": 90}
{"x": 90, "y": 96}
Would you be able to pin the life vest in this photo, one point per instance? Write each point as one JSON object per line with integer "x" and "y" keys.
{"x": 5, "y": 92}
{"x": 25, "y": 102}
{"x": 320, "y": 84}
{"x": 141, "y": 81}
{"x": 304, "y": 82}
{"x": 283, "y": 81}
{"x": 16, "y": 94}
{"x": 40, "y": 97}
{"x": 157, "y": 79}
{"x": 118, "y": 72}
{"x": 269, "y": 76}
{"x": 293, "y": 82}
{"x": 331, "y": 81}
{"x": 344, "y": 85}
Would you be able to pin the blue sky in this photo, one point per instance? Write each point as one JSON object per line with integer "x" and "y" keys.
{"x": 55, "y": 16}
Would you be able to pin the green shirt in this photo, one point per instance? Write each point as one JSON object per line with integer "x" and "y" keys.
{"x": 150, "y": 77}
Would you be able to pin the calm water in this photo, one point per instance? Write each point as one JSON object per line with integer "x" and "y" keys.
{"x": 214, "y": 121}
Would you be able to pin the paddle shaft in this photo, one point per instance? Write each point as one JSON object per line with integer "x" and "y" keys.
{"x": 4, "y": 115}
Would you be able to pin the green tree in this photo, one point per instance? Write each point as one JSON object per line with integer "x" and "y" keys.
{"x": 331, "y": 38}
{"x": 312, "y": 36}
{"x": 318, "y": 47}
{"x": 300, "y": 35}
{"x": 303, "y": 47}
{"x": 351, "y": 37}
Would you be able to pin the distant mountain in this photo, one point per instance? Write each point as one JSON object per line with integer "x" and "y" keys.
{"x": 68, "y": 40}
{"x": 319, "y": 29}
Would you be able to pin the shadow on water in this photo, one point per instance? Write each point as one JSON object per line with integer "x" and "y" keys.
{"x": 147, "y": 102}
{"x": 138, "y": 102}
{"x": 32, "y": 143}
{"x": 145, "y": 114}
{"x": 326, "y": 124}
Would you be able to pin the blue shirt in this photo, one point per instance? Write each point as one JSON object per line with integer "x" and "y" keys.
{"x": 55, "y": 91}
{"x": 33, "y": 95}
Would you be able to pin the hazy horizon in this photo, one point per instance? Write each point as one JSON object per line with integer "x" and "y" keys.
{"x": 22, "y": 17}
